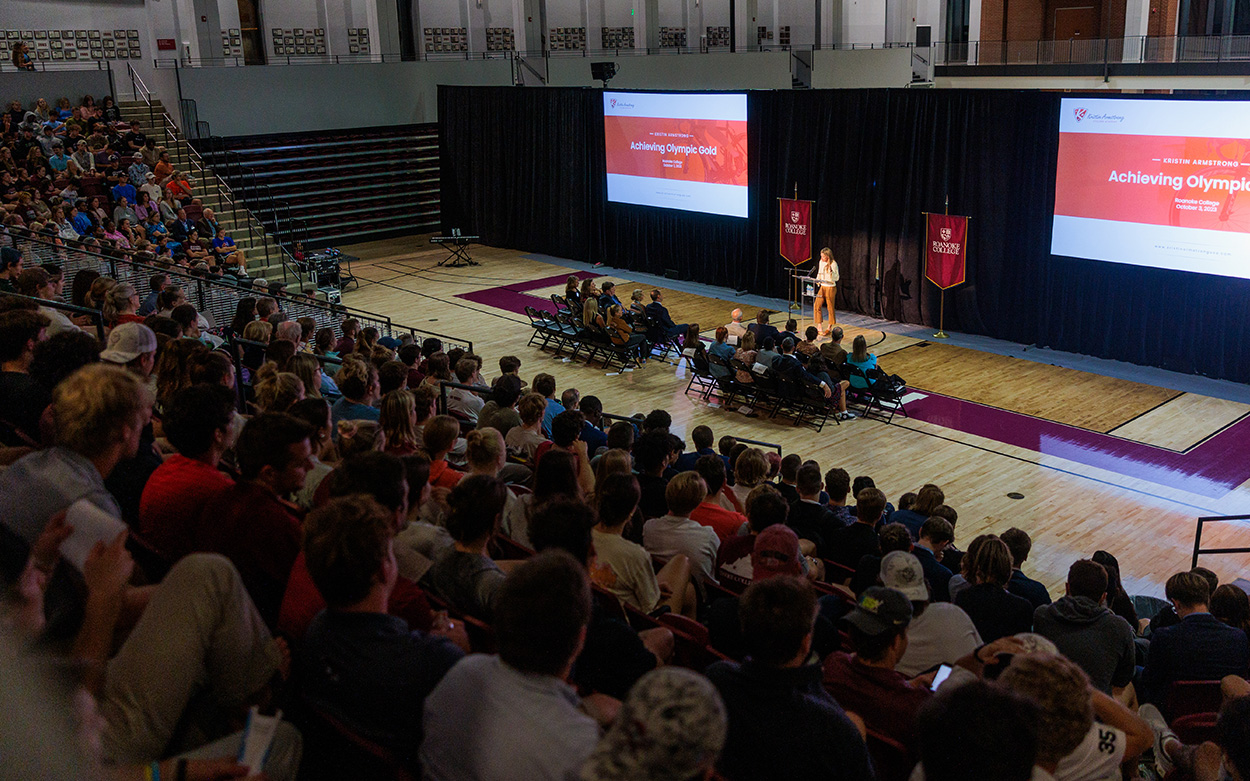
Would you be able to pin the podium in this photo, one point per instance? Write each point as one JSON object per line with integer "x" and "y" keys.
{"x": 803, "y": 288}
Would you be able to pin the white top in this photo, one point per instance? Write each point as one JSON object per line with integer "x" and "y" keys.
{"x": 624, "y": 568}
{"x": 827, "y": 273}
{"x": 668, "y": 535}
{"x": 465, "y": 402}
{"x": 941, "y": 634}
{"x": 60, "y": 322}
{"x": 1039, "y": 774}
{"x": 486, "y": 721}
{"x": 1098, "y": 757}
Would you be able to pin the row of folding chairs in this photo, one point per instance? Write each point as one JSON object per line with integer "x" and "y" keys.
{"x": 651, "y": 329}
{"x": 769, "y": 392}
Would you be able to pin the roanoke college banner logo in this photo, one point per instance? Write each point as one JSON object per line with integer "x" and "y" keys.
{"x": 1080, "y": 114}
{"x": 946, "y": 249}
{"x": 795, "y": 243}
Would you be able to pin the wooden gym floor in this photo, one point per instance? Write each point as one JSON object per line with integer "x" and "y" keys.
{"x": 1101, "y": 463}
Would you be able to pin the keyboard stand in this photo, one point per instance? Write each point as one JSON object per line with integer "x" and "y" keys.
{"x": 458, "y": 255}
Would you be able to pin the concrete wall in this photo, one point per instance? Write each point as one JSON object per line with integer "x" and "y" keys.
{"x": 271, "y": 99}
{"x": 861, "y": 68}
{"x": 718, "y": 70}
{"x": 29, "y": 87}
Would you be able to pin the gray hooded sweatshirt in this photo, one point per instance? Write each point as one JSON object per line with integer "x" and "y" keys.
{"x": 1089, "y": 634}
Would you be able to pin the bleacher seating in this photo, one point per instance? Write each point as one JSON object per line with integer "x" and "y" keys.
{"x": 350, "y": 185}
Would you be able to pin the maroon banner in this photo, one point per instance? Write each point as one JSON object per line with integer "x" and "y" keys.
{"x": 796, "y": 230}
{"x": 946, "y": 249}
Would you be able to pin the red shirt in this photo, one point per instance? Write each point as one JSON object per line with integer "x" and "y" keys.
{"x": 725, "y": 523}
{"x": 443, "y": 476}
{"x": 172, "y": 500}
{"x": 882, "y": 698}
{"x": 302, "y": 602}
{"x": 260, "y": 533}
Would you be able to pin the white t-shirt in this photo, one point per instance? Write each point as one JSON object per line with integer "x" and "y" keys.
{"x": 941, "y": 634}
{"x": 624, "y": 568}
{"x": 668, "y": 535}
{"x": 1098, "y": 758}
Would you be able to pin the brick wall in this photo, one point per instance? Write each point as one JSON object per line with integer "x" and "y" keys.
{"x": 1030, "y": 20}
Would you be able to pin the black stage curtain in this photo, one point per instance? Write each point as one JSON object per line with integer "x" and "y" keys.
{"x": 524, "y": 168}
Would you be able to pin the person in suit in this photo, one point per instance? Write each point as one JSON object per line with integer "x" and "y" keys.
{"x": 1019, "y": 543}
{"x": 661, "y": 326}
{"x": 935, "y": 535}
{"x": 607, "y": 296}
{"x": 1199, "y": 648}
{"x": 762, "y": 329}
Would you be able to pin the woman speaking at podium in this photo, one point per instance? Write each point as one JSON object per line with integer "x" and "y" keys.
{"x": 827, "y": 278}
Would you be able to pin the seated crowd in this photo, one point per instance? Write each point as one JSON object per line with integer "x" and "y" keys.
{"x": 508, "y": 588}
{"x": 83, "y": 177}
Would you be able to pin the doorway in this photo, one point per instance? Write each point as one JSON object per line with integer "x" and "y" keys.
{"x": 249, "y": 26}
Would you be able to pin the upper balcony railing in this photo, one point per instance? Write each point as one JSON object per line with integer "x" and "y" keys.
{"x": 1097, "y": 51}
{"x": 641, "y": 51}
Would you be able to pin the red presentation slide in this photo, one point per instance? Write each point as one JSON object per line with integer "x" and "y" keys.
{"x": 1157, "y": 183}
{"x": 1154, "y": 180}
{"x": 692, "y": 150}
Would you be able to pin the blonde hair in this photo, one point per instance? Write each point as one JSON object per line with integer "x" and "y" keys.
{"x": 1061, "y": 688}
{"x": 590, "y": 310}
{"x": 307, "y": 368}
{"x": 826, "y": 252}
{"x": 258, "y": 331}
{"x": 484, "y": 448}
{"x": 748, "y": 342}
{"x": 99, "y": 291}
{"x": 751, "y": 468}
{"x": 91, "y": 406}
{"x": 531, "y": 407}
{"x": 115, "y": 300}
{"x": 395, "y": 420}
{"x": 276, "y": 391}
{"x": 685, "y": 492}
{"x": 440, "y": 434}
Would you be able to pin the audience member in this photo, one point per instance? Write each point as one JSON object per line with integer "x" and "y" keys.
{"x": 710, "y": 513}
{"x": 360, "y": 662}
{"x": 935, "y": 535}
{"x": 518, "y": 699}
{"x": 675, "y": 533}
{"x": 1086, "y": 631}
{"x": 995, "y": 612}
{"x": 199, "y": 424}
{"x": 1019, "y": 543}
{"x": 783, "y": 724}
{"x": 1199, "y": 648}
{"x": 464, "y": 575}
{"x": 252, "y": 523}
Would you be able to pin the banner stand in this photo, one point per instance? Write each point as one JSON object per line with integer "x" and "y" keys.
{"x": 795, "y": 242}
{"x": 945, "y": 257}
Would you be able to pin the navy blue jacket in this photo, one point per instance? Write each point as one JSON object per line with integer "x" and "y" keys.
{"x": 1199, "y": 648}
{"x": 935, "y": 572}
{"x": 1023, "y": 586}
{"x": 783, "y": 725}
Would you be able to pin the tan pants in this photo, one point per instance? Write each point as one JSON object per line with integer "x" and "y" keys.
{"x": 200, "y": 638}
{"x": 824, "y": 296}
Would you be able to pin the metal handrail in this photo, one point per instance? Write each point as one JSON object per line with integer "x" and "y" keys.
{"x": 216, "y": 298}
{"x": 637, "y": 423}
{"x": 210, "y": 178}
{"x": 1132, "y": 49}
{"x": 385, "y": 57}
{"x": 97, "y": 317}
{"x": 1198, "y": 549}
